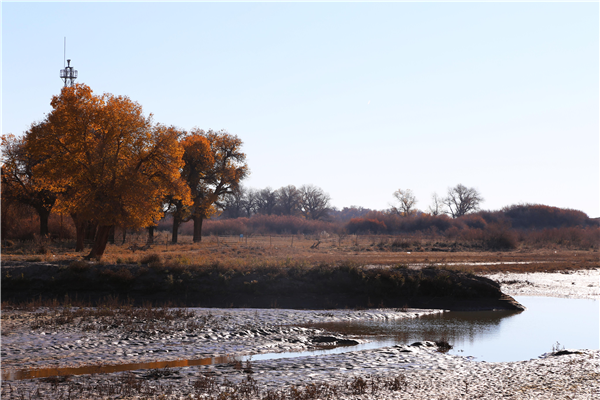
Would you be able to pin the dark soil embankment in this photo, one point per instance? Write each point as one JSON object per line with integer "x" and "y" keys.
{"x": 299, "y": 286}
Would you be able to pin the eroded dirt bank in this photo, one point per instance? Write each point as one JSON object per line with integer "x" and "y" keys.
{"x": 299, "y": 287}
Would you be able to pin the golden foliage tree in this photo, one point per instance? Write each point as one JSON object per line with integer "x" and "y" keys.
{"x": 107, "y": 161}
{"x": 19, "y": 184}
{"x": 198, "y": 160}
{"x": 214, "y": 167}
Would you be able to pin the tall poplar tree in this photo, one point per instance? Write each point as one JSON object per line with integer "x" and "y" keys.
{"x": 107, "y": 161}
{"x": 214, "y": 167}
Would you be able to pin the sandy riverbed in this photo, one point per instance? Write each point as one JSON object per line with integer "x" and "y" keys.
{"x": 582, "y": 284}
{"x": 418, "y": 371}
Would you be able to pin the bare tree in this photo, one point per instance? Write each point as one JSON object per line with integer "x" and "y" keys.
{"x": 406, "y": 202}
{"x": 233, "y": 203}
{"x": 250, "y": 203}
{"x": 314, "y": 203}
{"x": 266, "y": 200}
{"x": 437, "y": 205}
{"x": 462, "y": 200}
{"x": 288, "y": 200}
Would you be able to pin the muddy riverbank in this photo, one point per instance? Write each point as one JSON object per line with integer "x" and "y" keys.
{"x": 396, "y": 372}
{"x": 324, "y": 286}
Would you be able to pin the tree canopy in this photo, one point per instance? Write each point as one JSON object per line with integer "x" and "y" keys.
{"x": 20, "y": 185}
{"x": 214, "y": 167}
{"x": 106, "y": 161}
{"x": 406, "y": 202}
{"x": 462, "y": 200}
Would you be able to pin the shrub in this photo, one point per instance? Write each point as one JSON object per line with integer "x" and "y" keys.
{"x": 122, "y": 277}
{"x": 473, "y": 221}
{"x": 538, "y": 216}
{"x": 499, "y": 238}
{"x": 78, "y": 266}
{"x": 150, "y": 259}
{"x": 365, "y": 225}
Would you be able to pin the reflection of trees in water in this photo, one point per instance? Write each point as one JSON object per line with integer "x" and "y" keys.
{"x": 454, "y": 327}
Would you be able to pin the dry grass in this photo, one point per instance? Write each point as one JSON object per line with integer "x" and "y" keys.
{"x": 124, "y": 318}
{"x": 109, "y": 314}
{"x": 281, "y": 250}
{"x": 163, "y": 384}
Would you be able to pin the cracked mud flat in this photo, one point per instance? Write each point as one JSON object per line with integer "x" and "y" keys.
{"x": 421, "y": 370}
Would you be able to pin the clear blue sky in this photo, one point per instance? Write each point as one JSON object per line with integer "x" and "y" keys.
{"x": 358, "y": 98}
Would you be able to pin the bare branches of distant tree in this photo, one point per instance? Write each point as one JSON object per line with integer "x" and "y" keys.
{"x": 462, "y": 200}
{"x": 406, "y": 202}
{"x": 315, "y": 202}
{"x": 437, "y": 205}
{"x": 288, "y": 200}
{"x": 266, "y": 200}
{"x": 250, "y": 201}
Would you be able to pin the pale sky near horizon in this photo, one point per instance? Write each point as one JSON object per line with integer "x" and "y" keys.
{"x": 359, "y": 99}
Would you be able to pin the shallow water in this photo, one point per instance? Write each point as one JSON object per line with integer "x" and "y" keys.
{"x": 494, "y": 336}
{"x": 11, "y": 375}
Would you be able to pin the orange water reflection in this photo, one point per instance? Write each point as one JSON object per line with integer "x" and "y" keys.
{"x": 19, "y": 374}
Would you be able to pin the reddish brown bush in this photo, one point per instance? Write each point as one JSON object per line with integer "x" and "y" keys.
{"x": 260, "y": 224}
{"x": 473, "y": 221}
{"x": 23, "y": 223}
{"x": 573, "y": 237}
{"x": 365, "y": 225}
{"x": 536, "y": 216}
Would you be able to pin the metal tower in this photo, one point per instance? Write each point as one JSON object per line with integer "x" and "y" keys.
{"x": 68, "y": 75}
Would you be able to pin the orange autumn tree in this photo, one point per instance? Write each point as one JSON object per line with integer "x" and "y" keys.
{"x": 20, "y": 185}
{"x": 198, "y": 161}
{"x": 214, "y": 167}
{"x": 107, "y": 161}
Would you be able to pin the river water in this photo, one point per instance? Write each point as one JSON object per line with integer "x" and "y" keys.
{"x": 494, "y": 336}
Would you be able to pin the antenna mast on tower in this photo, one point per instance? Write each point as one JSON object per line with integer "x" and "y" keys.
{"x": 68, "y": 74}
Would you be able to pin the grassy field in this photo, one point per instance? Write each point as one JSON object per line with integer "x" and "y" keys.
{"x": 236, "y": 252}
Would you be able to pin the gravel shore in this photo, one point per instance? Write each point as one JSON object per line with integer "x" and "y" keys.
{"x": 396, "y": 372}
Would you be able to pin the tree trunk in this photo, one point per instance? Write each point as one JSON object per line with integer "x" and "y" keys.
{"x": 150, "y": 235}
{"x": 174, "y": 236}
{"x": 111, "y": 235}
{"x": 3, "y": 218}
{"x": 124, "y": 235}
{"x": 198, "y": 228}
{"x": 80, "y": 231}
{"x": 44, "y": 215}
{"x": 100, "y": 243}
{"x": 91, "y": 228}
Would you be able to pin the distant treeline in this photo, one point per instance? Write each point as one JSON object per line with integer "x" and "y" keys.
{"x": 504, "y": 229}
{"x": 532, "y": 224}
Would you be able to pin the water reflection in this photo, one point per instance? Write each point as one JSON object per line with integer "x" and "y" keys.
{"x": 10, "y": 375}
{"x": 487, "y": 335}
{"x": 494, "y": 335}
{"x": 455, "y": 326}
